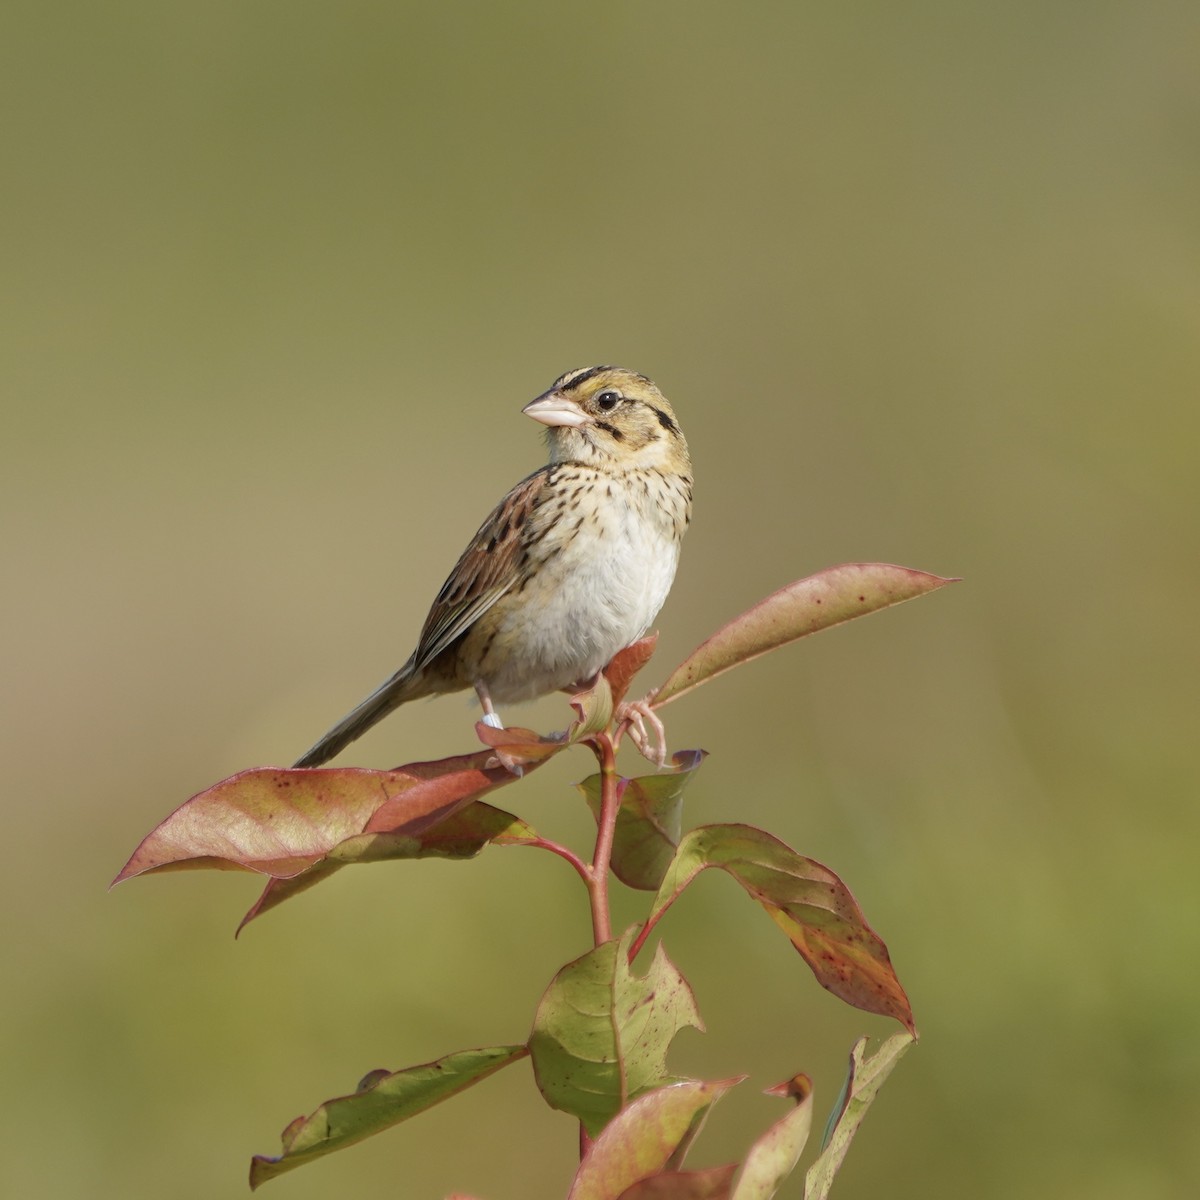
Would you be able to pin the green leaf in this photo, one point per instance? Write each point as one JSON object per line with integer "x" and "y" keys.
{"x": 863, "y": 1081}
{"x": 649, "y": 820}
{"x": 601, "y": 1033}
{"x": 382, "y": 1100}
{"x": 460, "y": 836}
{"x": 774, "y": 1156}
{"x": 828, "y": 598}
{"x": 644, "y": 1138}
{"x": 595, "y": 709}
{"x": 807, "y": 901}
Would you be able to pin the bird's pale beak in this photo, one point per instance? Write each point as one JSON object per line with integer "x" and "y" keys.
{"x": 553, "y": 409}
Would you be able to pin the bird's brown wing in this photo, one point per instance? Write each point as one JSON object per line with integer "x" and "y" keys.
{"x": 491, "y": 565}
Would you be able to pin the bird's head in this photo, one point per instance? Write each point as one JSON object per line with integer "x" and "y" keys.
{"x": 610, "y": 415}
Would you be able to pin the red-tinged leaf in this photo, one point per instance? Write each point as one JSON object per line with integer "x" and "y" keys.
{"x": 774, "y": 1156}
{"x": 715, "y": 1183}
{"x": 649, "y": 820}
{"x": 280, "y": 822}
{"x": 627, "y": 664}
{"x": 828, "y": 598}
{"x": 601, "y": 1033}
{"x": 517, "y": 747}
{"x": 594, "y": 708}
{"x": 808, "y": 901}
{"x": 277, "y": 891}
{"x": 382, "y": 1099}
{"x": 643, "y": 1138}
{"x": 460, "y": 836}
{"x": 863, "y": 1081}
{"x": 520, "y": 749}
{"x": 851, "y": 960}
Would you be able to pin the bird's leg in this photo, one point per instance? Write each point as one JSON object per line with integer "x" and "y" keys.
{"x": 490, "y": 715}
{"x": 635, "y": 714}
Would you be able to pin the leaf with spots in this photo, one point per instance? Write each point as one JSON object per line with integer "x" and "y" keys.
{"x": 601, "y": 1033}
{"x": 828, "y": 598}
{"x": 460, "y": 836}
{"x": 807, "y": 901}
{"x": 284, "y": 822}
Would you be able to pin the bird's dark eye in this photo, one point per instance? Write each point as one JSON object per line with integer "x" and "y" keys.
{"x": 607, "y": 401}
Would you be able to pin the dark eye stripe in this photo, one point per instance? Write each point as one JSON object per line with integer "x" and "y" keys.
{"x": 664, "y": 420}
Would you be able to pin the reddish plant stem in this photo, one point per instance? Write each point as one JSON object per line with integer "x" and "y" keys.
{"x": 581, "y": 868}
{"x": 639, "y": 941}
{"x": 610, "y": 803}
{"x": 596, "y": 876}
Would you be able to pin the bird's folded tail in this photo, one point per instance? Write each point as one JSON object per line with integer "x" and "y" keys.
{"x": 404, "y": 685}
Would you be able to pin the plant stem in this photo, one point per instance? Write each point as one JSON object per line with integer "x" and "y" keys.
{"x": 610, "y": 803}
{"x": 596, "y": 876}
{"x": 581, "y": 868}
{"x": 639, "y": 941}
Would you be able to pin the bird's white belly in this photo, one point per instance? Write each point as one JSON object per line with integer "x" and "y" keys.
{"x": 596, "y": 596}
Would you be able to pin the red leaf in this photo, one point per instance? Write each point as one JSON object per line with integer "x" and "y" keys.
{"x": 280, "y": 822}
{"x": 715, "y": 1183}
{"x": 827, "y": 598}
{"x": 641, "y": 1140}
{"x": 808, "y": 902}
{"x": 627, "y": 664}
{"x": 462, "y": 835}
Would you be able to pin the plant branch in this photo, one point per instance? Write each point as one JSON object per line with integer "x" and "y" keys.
{"x": 610, "y": 803}
{"x": 638, "y": 942}
{"x": 581, "y": 868}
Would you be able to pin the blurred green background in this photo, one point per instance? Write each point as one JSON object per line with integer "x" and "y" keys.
{"x": 922, "y": 282}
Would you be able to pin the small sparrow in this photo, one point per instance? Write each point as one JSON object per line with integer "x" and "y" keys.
{"x": 571, "y": 567}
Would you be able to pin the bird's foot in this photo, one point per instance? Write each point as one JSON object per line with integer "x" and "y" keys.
{"x": 634, "y": 715}
{"x": 492, "y": 719}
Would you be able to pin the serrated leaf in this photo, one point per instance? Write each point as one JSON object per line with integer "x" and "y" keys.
{"x": 774, "y": 1156}
{"x": 863, "y": 1081}
{"x": 642, "y": 1140}
{"x": 383, "y": 1099}
{"x": 601, "y": 1033}
{"x": 822, "y": 600}
{"x": 460, "y": 836}
{"x": 808, "y": 902}
{"x": 649, "y": 820}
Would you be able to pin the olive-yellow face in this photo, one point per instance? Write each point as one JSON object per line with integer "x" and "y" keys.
{"x": 610, "y": 413}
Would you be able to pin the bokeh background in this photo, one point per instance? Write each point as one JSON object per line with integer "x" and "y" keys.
{"x": 923, "y": 283}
